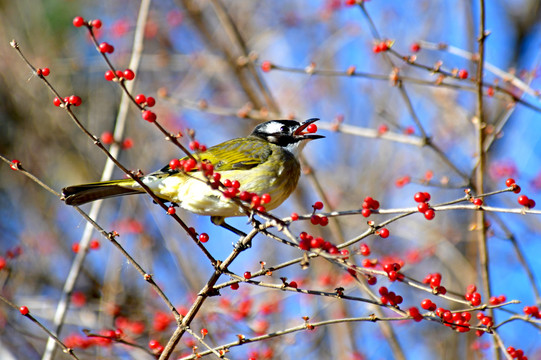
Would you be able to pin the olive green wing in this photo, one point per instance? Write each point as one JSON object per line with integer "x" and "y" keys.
{"x": 236, "y": 154}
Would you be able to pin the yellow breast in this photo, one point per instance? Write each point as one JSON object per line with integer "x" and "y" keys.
{"x": 277, "y": 176}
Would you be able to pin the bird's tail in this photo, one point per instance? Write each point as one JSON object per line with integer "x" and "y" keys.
{"x": 81, "y": 194}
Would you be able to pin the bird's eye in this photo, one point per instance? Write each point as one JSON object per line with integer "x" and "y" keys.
{"x": 283, "y": 128}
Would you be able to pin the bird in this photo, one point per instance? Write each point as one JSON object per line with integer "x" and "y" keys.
{"x": 264, "y": 162}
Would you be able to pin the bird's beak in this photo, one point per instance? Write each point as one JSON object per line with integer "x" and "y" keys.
{"x": 301, "y": 133}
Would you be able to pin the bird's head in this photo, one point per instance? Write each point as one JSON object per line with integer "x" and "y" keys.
{"x": 289, "y": 134}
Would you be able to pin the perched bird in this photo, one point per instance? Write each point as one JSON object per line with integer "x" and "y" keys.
{"x": 265, "y": 162}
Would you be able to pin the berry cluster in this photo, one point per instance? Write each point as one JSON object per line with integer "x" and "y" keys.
{"x": 68, "y": 100}
{"x": 392, "y": 270}
{"x": 108, "y": 138}
{"x": 424, "y": 207}
{"x": 472, "y": 295}
{"x": 318, "y": 219}
{"x": 308, "y": 242}
{"x": 368, "y": 205}
{"x": 434, "y": 280}
{"x": 155, "y": 346}
{"x": 186, "y": 165}
{"x": 382, "y": 46}
{"x": 516, "y": 354}
{"x": 389, "y": 297}
{"x": 145, "y": 101}
{"x": 196, "y": 146}
{"x": 532, "y": 311}
{"x": 496, "y": 300}
{"x": 415, "y": 314}
{"x": 522, "y": 199}
{"x": 485, "y": 320}
{"x": 118, "y": 75}
{"x": 43, "y": 72}
{"x": 106, "y": 338}
{"x": 93, "y": 245}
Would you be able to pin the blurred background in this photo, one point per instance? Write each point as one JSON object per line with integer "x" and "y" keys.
{"x": 202, "y": 62}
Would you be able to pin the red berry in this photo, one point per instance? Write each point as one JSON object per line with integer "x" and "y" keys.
{"x": 151, "y": 101}
{"x": 265, "y": 198}
{"x": 153, "y": 344}
{"x": 149, "y": 116}
{"x": 174, "y": 164}
{"x": 107, "y": 137}
{"x": 103, "y": 47}
{"x": 523, "y": 200}
{"x": 315, "y": 219}
{"x": 305, "y": 244}
{"x": 171, "y": 210}
{"x": 45, "y": 71}
{"x": 127, "y": 143}
{"x": 318, "y": 205}
{"x": 119, "y": 74}
{"x": 415, "y": 47}
{"x": 316, "y": 243}
{"x": 266, "y": 66}
{"x": 78, "y": 21}
{"x": 516, "y": 189}
{"x": 140, "y": 98}
{"x": 109, "y": 75}
{"x": 247, "y": 275}
{"x": 384, "y": 233}
{"x": 323, "y": 221}
{"x": 531, "y": 203}
{"x": 366, "y": 212}
{"x": 419, "y": 197}
{"x": 477, "y": 202}
{"x": 509, "y": 182}
{"x": 94, "y": 244}
{"x": 235, "y": 286}
{"x": 203, "y": 237}
{"x": 441, "y": 290}
{"x": 96, "y": 23}
{"x": 430, "y": 214}
{"x": 24, "y": 310}
{"x": 129, "y": 74}
{"x": 463, "y": 74}
{"x": 365, "y": 250}
{"x": 294, "y": 216}
{"x": 293, "y": 284}
{"x": 312, "y": 128}
{"x": 350, "y": 2}
{"x": 204, "y": 332}
{"x": 57, "y": 101}
{"x": 75, "y": 248}
{"x": 413, "y": 311}
{"x": 426, "y": 304}
{"x": 75, "y": 100}
{"x": 194, "y": 145}
{"x": 423, "y": 207}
